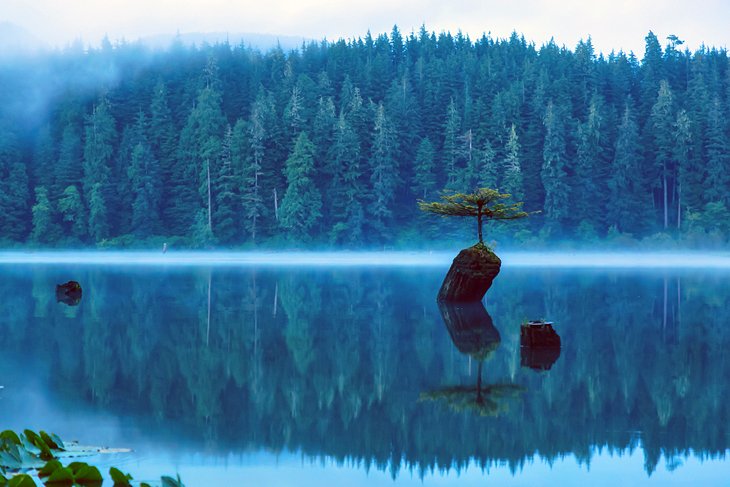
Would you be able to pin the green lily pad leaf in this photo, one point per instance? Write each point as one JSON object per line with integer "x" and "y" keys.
{"x": 60, "y": 477}
{"x": 10, "y": 437}
{"x": 21, "y": 480}
{"x": 58, "y": 441}
{"x": 29, "y": 460}
{"x": 75, "y": 467}
{"x": 50, "y": 467}
{"x": 11, "y": 459}
{"x": 88, "y": 476}
{"x": 49, "y": 441}
{"x": 170, "y": 482}
{"x": 28, "y": 445}
{"x": 120, "y": 479}
{"x": 33, "y": 437}
{"x": 144, "y": 484}
{"x": 16, "y": 458}
{"x": 43, "y": 450}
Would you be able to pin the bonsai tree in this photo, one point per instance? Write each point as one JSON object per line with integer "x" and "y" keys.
{"x": 484, "y": 203}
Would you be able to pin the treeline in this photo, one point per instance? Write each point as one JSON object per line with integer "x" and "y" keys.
{"x": 256, "y": 360}
{"x": 332, "y": 144}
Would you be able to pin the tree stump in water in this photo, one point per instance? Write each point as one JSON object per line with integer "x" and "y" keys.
{"x": 471, "y": 275}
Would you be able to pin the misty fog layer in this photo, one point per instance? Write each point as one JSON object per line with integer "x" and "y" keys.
{"x": 510, "y": 259}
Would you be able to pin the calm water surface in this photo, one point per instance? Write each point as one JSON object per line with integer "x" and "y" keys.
{"x": 291, "y": 376}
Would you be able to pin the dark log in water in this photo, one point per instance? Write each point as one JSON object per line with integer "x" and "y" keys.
{"x": 471, "y": 275}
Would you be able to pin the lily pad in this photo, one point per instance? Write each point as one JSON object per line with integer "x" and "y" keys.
{"x": 50, "y": 467}
{"x": 21, "y": 480}
{"x": 60, "y": 477}
{"x": 119, "y": 478}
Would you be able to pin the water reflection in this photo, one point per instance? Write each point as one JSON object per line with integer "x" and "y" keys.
{"x": 473, "y": 333}
{"x": 332, "y": 362}
{"x": 539, "y": 345}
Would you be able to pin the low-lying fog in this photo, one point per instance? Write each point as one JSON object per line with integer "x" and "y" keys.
{"x": 576, "y": 259}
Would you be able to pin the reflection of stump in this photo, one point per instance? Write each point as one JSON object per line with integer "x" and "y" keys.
{"x": 539, "y": 345}
{"x": 69, "y": 293}
{"x": 471, "y": 275}
{"x": 471, "y": 328}
{"x": 539, "y": 358}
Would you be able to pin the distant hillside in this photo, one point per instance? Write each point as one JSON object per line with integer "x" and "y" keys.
{"x": 262, "y": 42}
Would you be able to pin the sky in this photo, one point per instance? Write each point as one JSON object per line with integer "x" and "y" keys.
{"x": 612, "y": 24}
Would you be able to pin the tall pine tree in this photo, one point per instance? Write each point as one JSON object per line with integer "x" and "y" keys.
{"x": 302, "y": 202}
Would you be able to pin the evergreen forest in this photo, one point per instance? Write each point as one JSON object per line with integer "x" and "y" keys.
{"x": 332, "y": 144}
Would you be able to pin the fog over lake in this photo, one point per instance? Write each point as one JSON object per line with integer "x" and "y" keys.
{"x": 575, "y": 259}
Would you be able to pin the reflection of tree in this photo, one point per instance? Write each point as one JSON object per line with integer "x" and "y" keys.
{"x": 356, "y": 347}
{"x": 485, "y": 400}
{"x": 473, "y": 333}
{"x": 301, "y": 301}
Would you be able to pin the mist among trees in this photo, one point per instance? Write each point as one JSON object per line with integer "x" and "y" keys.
{"x": 332, "y": 144}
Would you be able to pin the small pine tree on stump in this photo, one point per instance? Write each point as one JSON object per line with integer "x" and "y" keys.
{"x": 484, "y": 203}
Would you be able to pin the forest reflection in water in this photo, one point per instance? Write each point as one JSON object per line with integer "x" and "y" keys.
{"x": 361, "y": 365}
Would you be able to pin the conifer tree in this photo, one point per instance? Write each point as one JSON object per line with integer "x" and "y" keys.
{"x": 717, "y": 179}
{"x": 484, "y": 204}
{"x": 294, "y": 113}
{"x": 302, "y": 202}
{"x": 163, "y": 143}
{"x": 254, "y": 190}
{"x": 383, "y": 174}
{"x": 451, "y": 148}
{"x": 143, "y": 173}
{"x": 227, "y": 199}
{"x": 512, "y": 178}
{"x": 681, "y": 153}
{"x": 14, "y": 191}
{"x": 425, "y": 177}
{"x": 489, "y": 171}
{"x": 98, "y": 217}
{"x": 662, "y": 125}
{"x": 199, "y": 151}
{"x": 323, "y": 128}
{"x": 99, "y": 148}
{"x": 44, "y": 158}
{"x": 68, "y": 168}
{"x": 628, "y": 202}
{"x": 590, "y": 168}
{"x": 554, "y": 175}
{"x": 73, "y": 213}
{"x": 45, "y": 229}
{"x": 345, "y": 172}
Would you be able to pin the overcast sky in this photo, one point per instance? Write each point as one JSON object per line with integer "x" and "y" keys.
{"x": 612, "y": 24}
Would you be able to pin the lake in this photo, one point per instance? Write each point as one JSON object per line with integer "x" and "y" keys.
{"x": 283, "y": 373}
